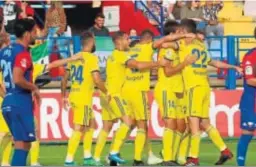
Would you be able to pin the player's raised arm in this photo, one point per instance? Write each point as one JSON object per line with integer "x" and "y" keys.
{"x": 171, "y": 70}
{"x": 141, "y": 65}
{"x": 219, "y": 64}
{"x": 62, "y": 62}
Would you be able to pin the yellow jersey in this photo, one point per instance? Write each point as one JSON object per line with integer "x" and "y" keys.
{"x": 196, "y": 73}
{"x": 38, "y": 69}
{"x": 115, "y": 71}
{"x": 174, "y": 82}
{"x": 135, "y": 78}
{"x": 82, "y": 84}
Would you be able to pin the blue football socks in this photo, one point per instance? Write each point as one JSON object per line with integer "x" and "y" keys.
{"x": 242, "y": 149}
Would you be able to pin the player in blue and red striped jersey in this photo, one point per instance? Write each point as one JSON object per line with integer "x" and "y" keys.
{"x": 17, "y": 67}
{"x": 247, "y": 105}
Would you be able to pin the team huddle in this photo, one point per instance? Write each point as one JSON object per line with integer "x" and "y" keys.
{"x": 182, "y": 93}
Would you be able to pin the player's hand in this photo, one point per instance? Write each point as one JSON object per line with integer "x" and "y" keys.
{"x": 162, "y": 62}
{"x": 190, "y": 35}
{"x": 37, "y": 96}
{"x": 65, "y": 104}
{"x": 239, "y": 70}
{"x": 190, "y": 59}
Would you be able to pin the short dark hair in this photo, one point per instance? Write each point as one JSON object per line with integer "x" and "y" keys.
{"x": 85, "y": 37}
{"x": 100, "y": 15}
{"x": 22, "y": 26}
{"x": 134, "y": 42}
{"x": 170, "y": 27}
{"x": 189, "y": 25}
{"x": 147, "y": 33}
{"x": 117, "y": 35}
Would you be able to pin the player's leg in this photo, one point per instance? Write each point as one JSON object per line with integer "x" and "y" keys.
{"x": 23, "y": 130}
{"x": 5, "y": 142}
{"x": 247, "y": 124}
{"x": 79, "y": 121}
{"x": 140, "y": 109}
{"x": 122, "y": 132}
{"x": 184, "y": 147}
{"x": 195, "y": 98}
{"x": 6, "y": 147}
{"x": 152, "y": 158}
{"x": 217, "y": 140}
{"x": 181, "y": 124}
{"x": 108, "y": 117}
{"x": 34, "y": 151}
{"x": 213, "y": 133}
{"x": 87, "y": 141}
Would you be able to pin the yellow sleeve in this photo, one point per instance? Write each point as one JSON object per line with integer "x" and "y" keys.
{"x": 123, "y": 58}
{"x": 94, "y": 64}
{"x": 168, "y": 54}
{"x": 38, "y": 70}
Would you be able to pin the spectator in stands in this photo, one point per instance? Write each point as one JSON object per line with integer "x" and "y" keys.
{"x": 192, "y": 10}
{"x": 177, "y": 9}
{"x": 155, "y": 8}
{"x": 98, "y": 29}
{"x": 210, "y": 11}
{"x": 11, "y": 13}
{"x": 26, "y": 9}
{"x": 133, "y": 32}
{"x": 55, "y": 26}
{"x": 169, "y": 5}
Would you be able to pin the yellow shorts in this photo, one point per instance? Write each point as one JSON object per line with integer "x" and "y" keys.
{"x": 181, "y": 108}
{"x": 198, "y": 101}
{"x": 169, "y": 104}
{"x": 115, "y": 109}
{"x": 4, "y": 127}
{"x": 137, "y": 102}
{"x": 82, "y": 114}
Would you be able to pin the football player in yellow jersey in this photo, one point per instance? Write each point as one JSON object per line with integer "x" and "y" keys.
{"x": 84, "y": 77}
{"x": 198, "y": 92}
{"x": 169, "y": 96}
{"x": 116, "y": 109}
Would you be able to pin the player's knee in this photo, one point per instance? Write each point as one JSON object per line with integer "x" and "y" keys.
{"x": 80, "y": 128}
{"x": 248, "y": 132}
{"x": 170, "y": 123}
{"x": 204, "y": 125}
{"x": 107, "y": 126}
{"x": 142, "y": 125}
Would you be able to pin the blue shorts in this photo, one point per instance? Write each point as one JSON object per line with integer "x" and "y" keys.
{"x": 248, "y": 119}
{"x": 20, "y": 123}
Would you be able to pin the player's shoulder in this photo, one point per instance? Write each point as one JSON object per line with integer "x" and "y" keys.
{"x": 250, "y": 55}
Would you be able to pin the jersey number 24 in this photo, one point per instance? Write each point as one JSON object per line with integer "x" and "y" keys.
{"x": 77, "y": 74}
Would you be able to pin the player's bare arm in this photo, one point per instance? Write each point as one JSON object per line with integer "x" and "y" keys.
{"x": 171, "y": 70}
{"x": 99, "y": 82}
{"x": 64, "y": 83}
{"x": 2, "y": 90}
{"x": 251, "y": 82}
{"x": 141, "y": 65}
{"x": 62, "y": 62}
{"x": 219, "y": 64}
{"x": 169, "y": 40}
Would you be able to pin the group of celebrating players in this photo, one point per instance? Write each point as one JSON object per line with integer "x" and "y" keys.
{"x": 182, "y": 93}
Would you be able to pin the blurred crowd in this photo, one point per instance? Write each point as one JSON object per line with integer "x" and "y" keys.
{"x": 204, "y": 13}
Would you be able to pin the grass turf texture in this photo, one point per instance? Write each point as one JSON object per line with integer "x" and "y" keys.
{"x": 55, "y": 154}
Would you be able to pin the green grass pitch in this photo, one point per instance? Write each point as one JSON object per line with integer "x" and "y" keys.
{"x": 51, "y": 155}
